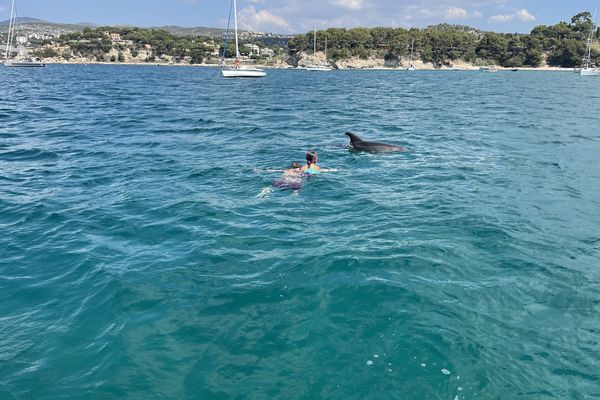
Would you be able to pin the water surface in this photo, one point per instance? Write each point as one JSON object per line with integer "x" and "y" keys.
{"x": 144, "y": 254}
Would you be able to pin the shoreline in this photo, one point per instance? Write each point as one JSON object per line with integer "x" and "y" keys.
{"x": 289, "y": 67}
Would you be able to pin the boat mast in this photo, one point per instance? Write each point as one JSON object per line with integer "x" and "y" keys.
{"x": 412, "y": 48}
{"x": 325, "y": 48}
{"x": 587, "y": 60}
{"x": 237, "y": 49}
{"x": 11, "y": 27}
{"x": 588, "y": 51}
{"x": 315, "y": 41}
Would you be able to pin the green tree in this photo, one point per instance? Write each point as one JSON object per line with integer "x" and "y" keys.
{"x": 230, "y": 52}
{"x": 45, "y": 52}
{"x": 582, "y": 22}
{"x": 492, "y": 47}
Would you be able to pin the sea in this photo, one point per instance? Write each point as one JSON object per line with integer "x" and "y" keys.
{"x": 146, "y": 254}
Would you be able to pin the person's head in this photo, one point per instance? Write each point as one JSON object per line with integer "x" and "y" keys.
{"x": 311, "y": 157}
{"x": 295, "y": 165}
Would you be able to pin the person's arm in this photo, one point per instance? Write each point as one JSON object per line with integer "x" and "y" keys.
{"x": 269, "y": 170}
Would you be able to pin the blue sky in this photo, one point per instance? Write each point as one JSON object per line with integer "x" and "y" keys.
{"x": 292, "y": 16}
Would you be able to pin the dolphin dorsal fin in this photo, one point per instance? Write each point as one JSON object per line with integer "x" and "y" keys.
{"x": 354, "y": 138}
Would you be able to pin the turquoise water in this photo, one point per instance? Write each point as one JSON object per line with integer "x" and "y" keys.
{"x": 145, "y": 255}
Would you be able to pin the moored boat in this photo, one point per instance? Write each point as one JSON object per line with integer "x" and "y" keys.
{"x": 410, "y": 66}
{"x": 318, "y": 67}
{"x": 19, "y": 59}
{"x": 587, "y": 68}
{"x": 238, "y": 70}
{"x": 491, "y": 68}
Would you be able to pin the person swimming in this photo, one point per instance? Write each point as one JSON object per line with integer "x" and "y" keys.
{"x": 293, "y": 169}
{"x": 291, "y": 179}
{"x": 296, "y": 175}
{"x": 311, "y": 167}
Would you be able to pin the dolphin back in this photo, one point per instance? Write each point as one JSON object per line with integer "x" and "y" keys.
{"x": 357, "y": 143}
{"x": 354, "y": 138}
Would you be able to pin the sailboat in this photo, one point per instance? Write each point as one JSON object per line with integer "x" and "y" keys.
{"x": 411, "y": 67}
{"x": 238, "y": 70}
{"x": 20, "y": 60}
{"x": 318, "y": 67}
{"x": 587, "y": 69}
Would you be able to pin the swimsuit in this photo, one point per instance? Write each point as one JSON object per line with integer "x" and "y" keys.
{"x": 312, "y": 170}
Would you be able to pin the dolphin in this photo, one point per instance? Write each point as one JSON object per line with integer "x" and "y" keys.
{"x": 357, "y": 143}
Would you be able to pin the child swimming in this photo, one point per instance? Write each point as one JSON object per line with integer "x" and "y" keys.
{"x": 311, "y": 166}
{"x": 296, "y": 175}
{"x": 293, "y": 169}
{"x": 292, "y": 178}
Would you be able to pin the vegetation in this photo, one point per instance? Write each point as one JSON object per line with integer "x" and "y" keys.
{"x": 95, "y": 43}
{"x": 116, "y": 44}
{"x": 562, "y": 44}
{"x": 45, "y": 53}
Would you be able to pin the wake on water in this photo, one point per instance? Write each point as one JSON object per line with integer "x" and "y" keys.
{"x": 294, "y": 183}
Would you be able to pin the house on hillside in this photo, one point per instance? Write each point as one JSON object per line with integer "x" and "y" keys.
{"x": 254, "y": 49}
{"x": 115, "y": 37}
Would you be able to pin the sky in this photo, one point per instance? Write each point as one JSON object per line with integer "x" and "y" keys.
{"x": 298, "y": 16}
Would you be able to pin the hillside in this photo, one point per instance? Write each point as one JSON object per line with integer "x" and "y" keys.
{"x": 455, "y": 46}
{"x": 559, "y": 45}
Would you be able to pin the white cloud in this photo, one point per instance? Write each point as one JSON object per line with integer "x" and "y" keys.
{"x": 296, "y": 16}
{"x": 456, "y": 13}
{"x": 524, "y": 15}
{"x": 502, "y": 18}
{"x": 350, "y": 4}
{"x": 521, "y": 15}
{"x": 262, "y": 20}
{"x": 435, "y": 15}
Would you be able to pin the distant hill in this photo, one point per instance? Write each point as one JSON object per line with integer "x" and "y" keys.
{"x": 38, "y": 26}
{"x": 25, "y": 20}
{"x": 193, "y": 31}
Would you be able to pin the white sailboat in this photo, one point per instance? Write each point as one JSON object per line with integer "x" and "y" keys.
{"x": 491, "y": 68}
{"x": 411, "y": 67}
{"x": 587, "y": 69}
{"x": 20, "y": 59}
{"x": 318, "y": 67}
{"x": 238, "y": 70}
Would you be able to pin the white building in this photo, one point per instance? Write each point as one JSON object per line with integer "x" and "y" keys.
{"x": 39, "y": 36}
{"x": 115, "y": 37}
{"x": 268, "y": 52}
{"x": 254, "y": 49}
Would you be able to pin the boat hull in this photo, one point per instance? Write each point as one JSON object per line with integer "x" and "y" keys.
{"x": 589, "y": 72}
{"x": 24, "y": 64}
{"x": 243, "y": 73}
{"x": 319, "y": 69}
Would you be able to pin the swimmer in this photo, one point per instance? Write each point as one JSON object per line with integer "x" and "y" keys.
{"x": 311, "y": 167}
{"x": 293, "y": 169}
{"x": 291, "y": 179}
